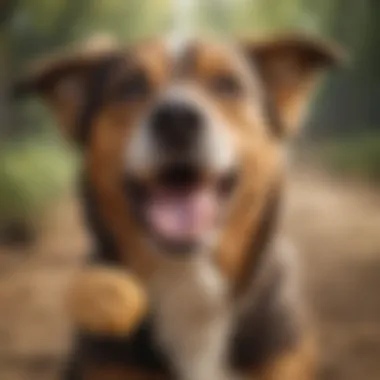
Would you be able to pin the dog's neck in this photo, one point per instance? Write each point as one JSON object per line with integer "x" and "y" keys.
{"x": 245, "y": 243}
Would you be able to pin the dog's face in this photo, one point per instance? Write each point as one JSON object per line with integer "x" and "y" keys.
{"x": 185, "y": 119}
{"x": 182, "y": 140}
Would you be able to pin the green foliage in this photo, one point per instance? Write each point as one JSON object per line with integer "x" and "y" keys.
{"x": 357, "y": 155}
{"x": 32, "y": 175}
{"x": 38, "y": 26}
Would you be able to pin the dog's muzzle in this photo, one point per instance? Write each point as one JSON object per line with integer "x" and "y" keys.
{"x": 180, "y": 173}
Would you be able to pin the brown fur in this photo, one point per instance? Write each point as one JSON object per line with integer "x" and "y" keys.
{"x": 290, "y": 66}
{"x": 104, "y": 162}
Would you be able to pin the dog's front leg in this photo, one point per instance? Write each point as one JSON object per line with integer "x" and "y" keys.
{"x": 107, "y": 301}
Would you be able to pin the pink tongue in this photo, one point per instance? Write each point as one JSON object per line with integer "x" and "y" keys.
{"x": 182, "y": 216}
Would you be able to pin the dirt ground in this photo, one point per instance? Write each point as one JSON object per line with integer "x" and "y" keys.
{"x": 335, "y": 225}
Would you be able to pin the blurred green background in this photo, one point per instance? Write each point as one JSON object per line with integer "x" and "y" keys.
{"x": 342, "y": 131}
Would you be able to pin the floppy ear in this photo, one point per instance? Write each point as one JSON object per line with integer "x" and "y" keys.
{"x": 71, "y": 83}
{"x": 289, "y": 67}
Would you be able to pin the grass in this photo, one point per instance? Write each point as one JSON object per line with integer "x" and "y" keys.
{"x": 356, "y": 155}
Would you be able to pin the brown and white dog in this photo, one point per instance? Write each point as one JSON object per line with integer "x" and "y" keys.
{"x": 184, "y": 158}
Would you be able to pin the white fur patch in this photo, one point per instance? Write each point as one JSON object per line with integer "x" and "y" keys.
{"x": 193, "y": 318}
{"x": 177, "y": 46}
{"x": 218, "y": 150}
{"x": 141, "y": 154}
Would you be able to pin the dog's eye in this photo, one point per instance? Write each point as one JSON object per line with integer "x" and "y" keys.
{"x": 226, "y": 85}
{"x": 133, "y": 88}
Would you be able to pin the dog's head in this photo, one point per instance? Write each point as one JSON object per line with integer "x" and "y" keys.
{"x": 182, "y": 142}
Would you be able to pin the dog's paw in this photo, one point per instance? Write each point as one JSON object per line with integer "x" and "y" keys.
{"x": 106, "y": 301}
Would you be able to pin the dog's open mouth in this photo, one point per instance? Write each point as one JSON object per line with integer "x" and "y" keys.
{"x": 181, "y": 205}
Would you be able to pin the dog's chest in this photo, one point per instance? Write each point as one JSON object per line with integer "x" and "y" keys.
{"x": 193, "y": 320}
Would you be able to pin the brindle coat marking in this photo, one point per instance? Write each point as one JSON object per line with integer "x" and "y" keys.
{"x": 267, "y": 339}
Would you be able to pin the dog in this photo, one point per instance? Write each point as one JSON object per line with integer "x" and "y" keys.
{"x": 184, "y": 161}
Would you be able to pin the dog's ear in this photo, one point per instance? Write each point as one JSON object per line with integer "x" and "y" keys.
{"x": 289, "y": 67}
{"x": 64, "y": 81}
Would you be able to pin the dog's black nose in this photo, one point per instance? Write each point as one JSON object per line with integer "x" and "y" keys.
{"x": 176, "y": 126}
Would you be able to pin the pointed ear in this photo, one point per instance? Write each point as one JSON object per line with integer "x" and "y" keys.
{"x": 289, "y": 67}
{"x": 68, "y": 82}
